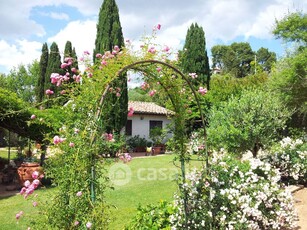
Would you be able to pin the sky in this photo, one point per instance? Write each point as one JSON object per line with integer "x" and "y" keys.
{"x": 26, "y": 24}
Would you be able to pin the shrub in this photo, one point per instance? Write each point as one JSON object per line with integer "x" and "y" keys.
{"x": 234, "y": 195}
{"x": 290, "y": 157}
{"x": 249, "y": 122}
{"x": 152, "y": 217}
{"x": 137, "y": 141}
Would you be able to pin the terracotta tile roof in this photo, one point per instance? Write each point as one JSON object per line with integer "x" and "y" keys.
{"x": 141, "y": 107}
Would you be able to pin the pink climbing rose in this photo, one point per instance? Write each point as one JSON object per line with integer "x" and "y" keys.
{"x": 202, "y": 90}
{"x": 49, "y": 92}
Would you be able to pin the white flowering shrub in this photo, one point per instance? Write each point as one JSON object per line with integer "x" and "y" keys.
{"x": 196, "y": 142}
{"x": 290, "y": 157}
{"x": 234, "y": 195}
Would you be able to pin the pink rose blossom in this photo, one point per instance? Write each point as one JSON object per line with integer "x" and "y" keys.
{"x": 64, "y": 65}
{"x": 79, "y": 193}
{"x": 23, "y": 190}
{"x": 27, "y": 183}
{"x": 152, "y": 50}
{"x": 159, "y": 69}
{"x": 166, "y": 49}
{"x": 71, "y": 144}
{"x": 159, "y": 26}
{"x": 88, "y": 224}
{"x": 18, "y": 215}
{"x": 35, "y": 175}
{"x": 34, "y": 203}
{"x": 49, "y": 92}
{"x": 33, "y": 116}
{"x": 202, "y": 90}
{"x": 144, "y": 86}
{"x": 57, "y": 140}
{"x": 98, "y": 55}
{"x": 76, "y": 223}
{"x": 193, "y": 75}
{"x": 74, "y": 70}
{"x": 152, "y": 93}
{"x": 130, "y": 112}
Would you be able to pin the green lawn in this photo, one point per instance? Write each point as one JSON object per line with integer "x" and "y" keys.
{"x": 4, "y": 153}
{"x": 152, "y": 180}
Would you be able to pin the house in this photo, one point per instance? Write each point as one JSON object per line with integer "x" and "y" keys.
{"x": 146, "y": 116}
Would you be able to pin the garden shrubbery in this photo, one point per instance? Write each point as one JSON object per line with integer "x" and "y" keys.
{"x": 290, "y": 157}
{"x": 234, "y": 195}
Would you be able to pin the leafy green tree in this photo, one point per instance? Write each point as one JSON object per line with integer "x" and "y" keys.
{"x": 22, "y": 81}
{"x": 218, "y": 56}
{"x": 249, "y": 122}
{"x": 138, "y": 94}
{"x": 54, "y": 66}
{"x": 235, "y": 59}
{"x": 242, "y": 56}
{"x": 3, "y": 81}
{"x": 290, "y": 76}
{"x": 43, "y": 63}
{"x": 290, "y": 80}
{"x": 265, "y": 59}
{"x": 194, "y": 58}
{"x": 292, "y": 28}
{"x": 109, "y": 34}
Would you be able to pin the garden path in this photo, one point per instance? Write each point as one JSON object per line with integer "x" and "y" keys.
{"x": 301, "y": 207}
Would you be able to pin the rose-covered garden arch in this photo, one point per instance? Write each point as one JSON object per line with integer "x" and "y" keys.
{"x": 78, "y": 167}
{"x": 77, "y": 144}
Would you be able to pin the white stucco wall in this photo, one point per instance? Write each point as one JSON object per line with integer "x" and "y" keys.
{"x": 140, "y": 124}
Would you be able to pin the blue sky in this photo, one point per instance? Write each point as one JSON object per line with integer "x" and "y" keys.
{"x": 26, "y": 25}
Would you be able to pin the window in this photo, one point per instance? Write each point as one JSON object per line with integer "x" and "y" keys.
{"x": 154, "y": 124}
{"x": 129, "y": 128}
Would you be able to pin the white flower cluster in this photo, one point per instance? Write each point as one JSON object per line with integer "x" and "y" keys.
{"x": 290, "y": 157}
{"x": 196, "y": 143}
{"x": 234, "y": 195}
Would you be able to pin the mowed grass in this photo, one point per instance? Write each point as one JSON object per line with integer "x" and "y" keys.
{"x": 152, "y": 179}
{"x": 4, "y": 153}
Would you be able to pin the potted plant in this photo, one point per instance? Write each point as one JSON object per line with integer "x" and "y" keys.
{"x": 157, "y": 135}
{"x": 28, "y": 166}
{"x": 137, "y": 143}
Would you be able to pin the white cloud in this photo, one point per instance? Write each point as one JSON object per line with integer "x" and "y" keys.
{"x": 81, "y": 34}
{"x": 22, "y": 52}
{"x": 222, "y": 20}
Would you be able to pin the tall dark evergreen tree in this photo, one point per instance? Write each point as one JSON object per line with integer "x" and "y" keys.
{"x": 75, "y": 57}
{"x": 194, "y": 58}
{"x": 43, "y": 63}
{"x": 70, "y": 52}
{"x": 109, "y": 34}
{"x": 54, "y": 66}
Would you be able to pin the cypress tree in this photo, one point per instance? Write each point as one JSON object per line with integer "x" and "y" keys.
{"x": 75, "y": 57}
{"x": 109, "y": 34}
{"x": 194, "y": 58}
{"x": 67, "y": 50}
{"x": 70, "y": 52}
{"x": 54, "y": 66}
{"x": 43, "y": 63}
